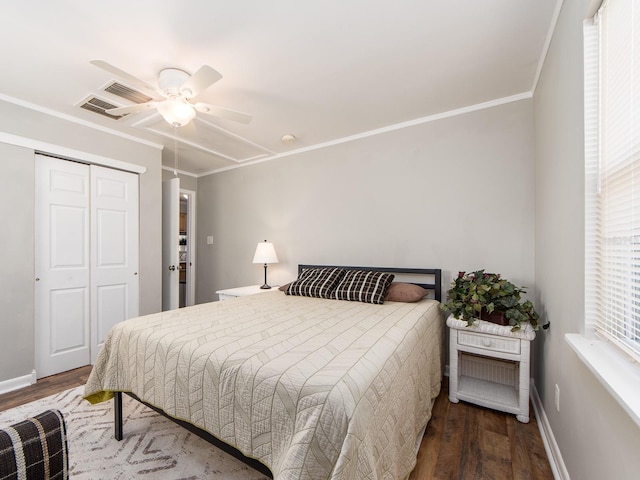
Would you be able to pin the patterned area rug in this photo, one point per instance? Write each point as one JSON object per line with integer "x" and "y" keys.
{"x": 153, "y": 447}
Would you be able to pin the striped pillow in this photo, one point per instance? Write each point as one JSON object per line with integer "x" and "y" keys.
{"x": 316, "y": 282}
{"x": 364, "y": 286}
{"x": 35, "y": 448}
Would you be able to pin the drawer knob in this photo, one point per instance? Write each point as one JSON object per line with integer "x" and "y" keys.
{"x": 486, "y": 342}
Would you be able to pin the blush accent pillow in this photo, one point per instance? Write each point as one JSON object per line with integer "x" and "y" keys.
{"x": 316, "y": 282}
{"x": 405, "y": 292}
{"x": 364, "y": 286}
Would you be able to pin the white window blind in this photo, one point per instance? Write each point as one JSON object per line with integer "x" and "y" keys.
{"x": 612, "y": 151}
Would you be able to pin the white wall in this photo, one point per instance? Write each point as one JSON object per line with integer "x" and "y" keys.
{"x": 17, "y": 207}
{"x": 455, "y": 193}
{"x": 16, "y": 256}
{"x": 596, "y": 438}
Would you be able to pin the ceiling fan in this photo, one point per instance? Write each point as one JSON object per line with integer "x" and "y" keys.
{"x": 176, "y": 89}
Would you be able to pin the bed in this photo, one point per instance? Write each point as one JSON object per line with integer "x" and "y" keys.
{"x": 300, "y": 387}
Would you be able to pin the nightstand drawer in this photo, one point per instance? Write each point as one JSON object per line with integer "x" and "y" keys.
{"x": 222, "y": 296}
{"x": 489, "y": 342}
{"x": 230, "y": 293}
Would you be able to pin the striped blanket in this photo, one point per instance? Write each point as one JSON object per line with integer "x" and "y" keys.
{"x": 35, "y": 449}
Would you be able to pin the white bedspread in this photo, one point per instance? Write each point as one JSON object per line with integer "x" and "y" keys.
{"x": 314, "y": 389}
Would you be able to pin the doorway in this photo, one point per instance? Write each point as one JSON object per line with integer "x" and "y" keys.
{"x": 186, "y": 248}
{"x": 178, "y": 245}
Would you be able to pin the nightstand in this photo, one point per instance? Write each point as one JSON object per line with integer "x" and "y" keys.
{"x": 242, "y": 291}
{"x": 489, "y": 365}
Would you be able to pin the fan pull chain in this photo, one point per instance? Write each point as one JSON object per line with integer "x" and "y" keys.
{"x": 175, "y": 151}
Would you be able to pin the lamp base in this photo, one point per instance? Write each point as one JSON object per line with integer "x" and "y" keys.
{"x": 265, "y": 286}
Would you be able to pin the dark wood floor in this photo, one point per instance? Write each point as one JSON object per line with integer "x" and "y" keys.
{"x": 468, "y": 442}
{"x": 45, "y": 387}
{"x": 462, "y": 441}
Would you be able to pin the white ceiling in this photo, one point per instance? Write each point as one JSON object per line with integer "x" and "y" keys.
{"x": 320, "y": 70}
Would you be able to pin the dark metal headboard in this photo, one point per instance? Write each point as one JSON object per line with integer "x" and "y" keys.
{"x": 436, "y": 273}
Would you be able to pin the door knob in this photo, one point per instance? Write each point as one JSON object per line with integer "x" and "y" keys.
{"x": 172, "y": 267}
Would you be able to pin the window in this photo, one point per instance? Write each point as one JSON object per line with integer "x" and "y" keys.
{"x": 612, "y": 151}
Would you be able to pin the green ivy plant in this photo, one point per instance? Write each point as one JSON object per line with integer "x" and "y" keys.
{"x": 470, "y": 293}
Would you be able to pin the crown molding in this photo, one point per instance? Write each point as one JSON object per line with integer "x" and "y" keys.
{"x": 84, "y": 123}
{"x": 47, "y": 148}
{"x": 547, "y": 43}
{"x": 181, "y": 172}
{"x": 380, "y": 131}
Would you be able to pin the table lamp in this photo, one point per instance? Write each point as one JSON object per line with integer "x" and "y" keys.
{"x": 265, "y": 253}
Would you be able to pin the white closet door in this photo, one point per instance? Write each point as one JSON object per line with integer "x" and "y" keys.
{"x": 86, "y": 260}
{"x": 62, "y": 264}
{"x": 114, "y": 254}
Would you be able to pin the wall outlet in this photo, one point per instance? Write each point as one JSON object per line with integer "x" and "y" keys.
{"x": 557, "y": 397}
{"x": 209, "y": 240}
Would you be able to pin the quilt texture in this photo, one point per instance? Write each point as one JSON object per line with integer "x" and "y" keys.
{"x": 313, "y": 388}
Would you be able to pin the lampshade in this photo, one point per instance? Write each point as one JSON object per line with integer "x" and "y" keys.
{"x": 265, "y": 253}
{"x": 176, "y": 111}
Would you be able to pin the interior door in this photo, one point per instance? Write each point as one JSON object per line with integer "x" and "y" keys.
{"x": 190, "y": 273}
{"x": 170, "y": 243}
{"x": 114, "y": 256}
{"x": 62, "y": 265}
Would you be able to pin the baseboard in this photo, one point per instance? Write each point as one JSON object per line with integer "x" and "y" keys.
{"x": 558, "y": 467}
{"x": 17, "y": 383}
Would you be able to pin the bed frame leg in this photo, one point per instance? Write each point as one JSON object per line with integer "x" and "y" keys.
{"x": 117, "y": 408}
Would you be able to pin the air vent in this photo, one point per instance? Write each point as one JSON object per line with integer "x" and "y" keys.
{"x": 97, "y": 105}
{"x": 127, "y": 93}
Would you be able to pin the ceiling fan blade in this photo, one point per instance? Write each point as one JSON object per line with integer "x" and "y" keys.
{"x": 223, "y": 112}
{"x": 125, "y": 76}
{"x": 202, "y": 79}
{"x": 132, "y": 108}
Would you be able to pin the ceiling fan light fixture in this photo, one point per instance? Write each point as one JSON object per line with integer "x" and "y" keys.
{"x": 179, "y": 88}
{"x": 176, "y": 111}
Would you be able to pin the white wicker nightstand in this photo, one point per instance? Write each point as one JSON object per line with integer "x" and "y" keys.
{"x": 489, "y": 366}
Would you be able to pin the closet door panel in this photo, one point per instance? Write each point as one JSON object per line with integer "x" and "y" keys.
{"x": 62, "y": 265}
{"x": 68, "y": 308}
{"x": 111, "y": 308}
{"x": 114, "y": 267}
